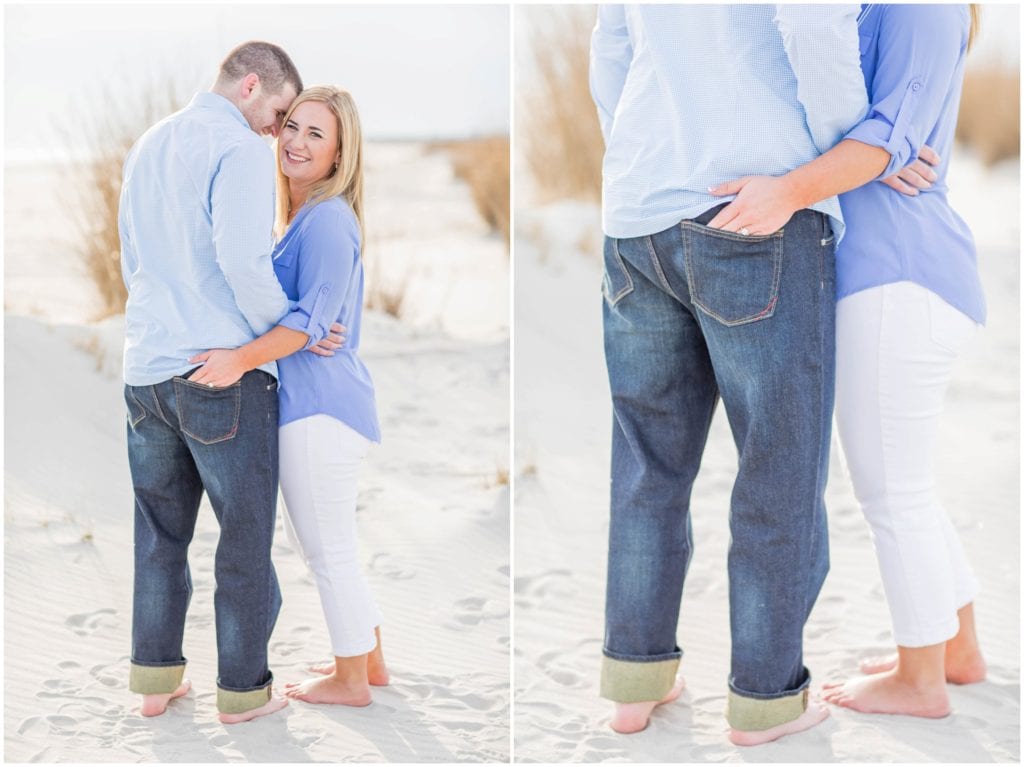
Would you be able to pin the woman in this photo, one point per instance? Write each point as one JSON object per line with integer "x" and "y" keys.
{"x": 909, "y": 301}
{"x": 327, "y": 410}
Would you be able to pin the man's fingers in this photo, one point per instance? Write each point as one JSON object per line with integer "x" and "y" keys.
{"x": 320, "y": 351}
{"x": 337, "y": 328}
{"x": 913, "y": 178}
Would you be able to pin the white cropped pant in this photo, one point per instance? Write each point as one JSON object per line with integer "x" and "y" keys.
{"x": 896, "y": 346}
{"x": 319, "y": 460}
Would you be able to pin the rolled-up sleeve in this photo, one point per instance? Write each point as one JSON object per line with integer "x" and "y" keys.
{"x": 327, "y": 258}
{"x": 610, "y": 55}
{"x": 918, "y": 51}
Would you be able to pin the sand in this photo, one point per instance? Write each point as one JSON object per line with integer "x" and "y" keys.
{"x": 563, "y": 431}
{"x": 433, "y": 515}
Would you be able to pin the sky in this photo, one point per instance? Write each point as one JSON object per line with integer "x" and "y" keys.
{"x": 415, "y": 71}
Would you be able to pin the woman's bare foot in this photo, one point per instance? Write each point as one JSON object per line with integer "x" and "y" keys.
{"x": 274, "y": 704}
{"x": 633, "y": 717}
{"x": 330, "y": 689}
{"x": 376, "y": 670}
{"x": 962, "y": 661}
{"x": 814, "y": 714}
{"x": 889, "y": 693}
{"x": 154, "y": 705}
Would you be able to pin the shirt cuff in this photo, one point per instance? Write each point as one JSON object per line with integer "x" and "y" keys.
{"x": 311, "y": 323}
{"x": 893, "y": 137}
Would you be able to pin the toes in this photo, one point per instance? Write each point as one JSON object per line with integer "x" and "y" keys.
{"x": 832, "y": 685}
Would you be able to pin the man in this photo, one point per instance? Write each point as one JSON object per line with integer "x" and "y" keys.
{"x": 196, "y": 213}
{"x": 697, "y": 307}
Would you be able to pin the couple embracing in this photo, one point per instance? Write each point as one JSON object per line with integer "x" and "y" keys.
{"x": 236, "y": 374}
{"x": 779, "y": 302}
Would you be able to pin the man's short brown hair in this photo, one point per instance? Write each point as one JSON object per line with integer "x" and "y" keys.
{"x": 273, "y": 66}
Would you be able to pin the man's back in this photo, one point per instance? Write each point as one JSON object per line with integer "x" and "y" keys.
{"x": 196, "y": 215}
{"x": 691, "y": 96}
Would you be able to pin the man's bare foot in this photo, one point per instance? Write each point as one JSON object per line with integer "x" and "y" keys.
{"x": 889, "y": 693}
{"x": 814, "y": 714}
{"x": 274, "y": 704}
{"x": 633, "y": 717}
{"x": 330, "y": 689}
{"x": 154, "y": 705}
{"x": 962, "y": 666}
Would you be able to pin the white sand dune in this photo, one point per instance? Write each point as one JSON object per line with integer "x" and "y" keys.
{"x": 563, "y": 429}
{"x": 433, "y": 516}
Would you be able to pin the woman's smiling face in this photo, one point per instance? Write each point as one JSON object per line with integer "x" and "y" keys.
{"x": 308, "y": 143}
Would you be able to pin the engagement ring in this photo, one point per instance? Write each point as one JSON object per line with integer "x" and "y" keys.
{"x": 744, "y": 231}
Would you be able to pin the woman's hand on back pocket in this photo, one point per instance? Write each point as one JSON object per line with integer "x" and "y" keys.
{"x": 763, "y": 205}
{"x": 221, "y": 367}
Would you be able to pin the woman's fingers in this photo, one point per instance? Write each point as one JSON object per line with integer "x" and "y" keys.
{"x": 729, "y": 187}
{"x": 929, "y": 155}
{"x": 900, "y": 186}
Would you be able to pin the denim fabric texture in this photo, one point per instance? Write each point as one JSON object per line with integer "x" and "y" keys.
{"x": 691, "y": 315}
{"x": 183, "y": 438}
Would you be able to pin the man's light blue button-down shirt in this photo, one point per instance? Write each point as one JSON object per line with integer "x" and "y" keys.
{"x": 196, "y": 219}
{"x": 690, "y": 96}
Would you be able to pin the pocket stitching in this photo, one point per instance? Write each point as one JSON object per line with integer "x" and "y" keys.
{"x": 776, "y": 255}
{"x": 137, "y": 421}
{"x": 627, "y": 288}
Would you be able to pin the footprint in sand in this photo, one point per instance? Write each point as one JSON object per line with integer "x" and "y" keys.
{"x": 286, "y": 647}
{"x": 475, "y": 610}
{"x": 386, "y": 565}
{"x": 558, "y": 668}
{"x": 104, "y": 674}
{"x": 534, "y": 588}
{"x": 84, "y": 624}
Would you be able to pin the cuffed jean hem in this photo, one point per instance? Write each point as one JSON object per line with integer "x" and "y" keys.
{"x": 156, "y": 678}
{"x": 753, "y": 714}
{"x": 636, "y": 681}
{"x": 240, "y": 701}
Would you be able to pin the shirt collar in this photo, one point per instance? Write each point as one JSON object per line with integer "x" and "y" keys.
{"x": 216, "y": 101}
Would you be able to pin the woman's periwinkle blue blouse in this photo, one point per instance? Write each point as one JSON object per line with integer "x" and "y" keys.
{"x": 317, "y": 262}
{"x": 913, "y": 61}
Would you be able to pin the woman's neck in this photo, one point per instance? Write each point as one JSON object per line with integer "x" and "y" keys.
{"x": 297, "y": 196}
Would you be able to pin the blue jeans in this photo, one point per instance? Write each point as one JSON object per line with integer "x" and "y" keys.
{"x": 184, "y": 438}
{"x": 692, "y": 314}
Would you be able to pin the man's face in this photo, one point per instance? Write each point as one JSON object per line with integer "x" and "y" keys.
{"x": 264, "y": 112}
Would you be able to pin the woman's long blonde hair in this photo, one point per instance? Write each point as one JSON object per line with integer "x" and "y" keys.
{"x": 975, "y": 24}
{"x": 346, "y": 180}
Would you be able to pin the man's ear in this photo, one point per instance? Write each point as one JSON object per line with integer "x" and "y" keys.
{"x": 249, "y": 85}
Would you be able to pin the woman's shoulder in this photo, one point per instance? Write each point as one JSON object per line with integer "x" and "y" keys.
{"x": 922, "y": 17}
{"x": 333, "y": 216}
{"x": 333, "y": 209}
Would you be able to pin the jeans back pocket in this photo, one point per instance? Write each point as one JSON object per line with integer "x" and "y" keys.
{"x": 617, "y": 283}
{"x": 208, "y": 415}
{"x": 733, "y": 278}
